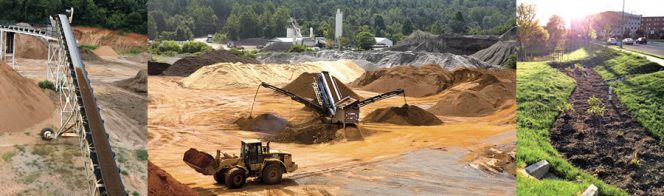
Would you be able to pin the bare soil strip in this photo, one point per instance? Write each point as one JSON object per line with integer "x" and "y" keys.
{"x": 617, "y": 149}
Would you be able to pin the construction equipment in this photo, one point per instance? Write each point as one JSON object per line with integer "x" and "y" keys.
{"x": 255, "y": 160}
{"x": 333, "y": 106}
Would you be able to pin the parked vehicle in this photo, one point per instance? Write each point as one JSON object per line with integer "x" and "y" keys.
{"x": 642, "y": 40}
{"x": 628, "y": 41}
{"x": 209, "y": 38}
{"x": 612, "y": 41}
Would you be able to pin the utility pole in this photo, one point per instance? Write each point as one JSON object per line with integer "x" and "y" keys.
{"x": 623, "y": 25}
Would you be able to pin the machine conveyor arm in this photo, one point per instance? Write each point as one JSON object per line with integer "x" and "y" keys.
{"x": 380, "y": 97}
{"x": 294, "y": 97}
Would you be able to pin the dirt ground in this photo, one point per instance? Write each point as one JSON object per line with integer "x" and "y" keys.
{"x": 394, "y": 159}
{"x": 618, "y": 150}
{"x": 38, "y": 167}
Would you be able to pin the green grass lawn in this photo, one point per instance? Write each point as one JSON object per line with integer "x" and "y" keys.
{"x": 540, "y": 90}
{"x": 642, "y": 91}
{"x": 640, "y": 52}
{"x": 576, "y": 55}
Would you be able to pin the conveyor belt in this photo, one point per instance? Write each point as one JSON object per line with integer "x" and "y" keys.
{"x": 105, "y": 169}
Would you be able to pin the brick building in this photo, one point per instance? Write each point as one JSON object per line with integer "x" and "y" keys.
{"x": 653, "y": 26}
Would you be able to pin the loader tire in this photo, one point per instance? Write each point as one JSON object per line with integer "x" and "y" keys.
{"x": 45, "y": 133}
{"x": 219, "y": 177}
{"x": 272, "y": 174}
{"x": 235, "y": 178}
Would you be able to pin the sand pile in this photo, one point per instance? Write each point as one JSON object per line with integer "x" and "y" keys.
{"x": 277, "y": 47}
{"x": 137, "y": 84}
{"x": 404, "y": 115}
{"x": 267, "y": 123}
{"x": 31, "y": 47}
{"x": 420, "y": 41}
{"x": 498, "y": 53}
{"x": 89, "y": 55}
{"x": 229, "y": 75}
{"x": 189, "y": 65}
{"x": 422, "y": 81}
{"x": 162, "y": 183}
{"x": 23, "y": 103}
{"x": 236, "y": 75}
{"x": 301, "y": 86}
{"x": 157, "y": 68}
{"x": 312, "y": 132}
{"x": 487, "y": 97}
{"x": 105, "y": 51}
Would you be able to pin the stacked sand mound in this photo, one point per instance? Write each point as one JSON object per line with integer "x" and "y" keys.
{"x": 162, "y": 183}
{"x": 233, "y": 75}
{"x": 189, "y": 65}
{"x": 89, "y": 55}
{"x": 481, "y": 100}
{"x": 277, "y": 47}
{"x": 228, "y": 75}
{"x": 301, "y": 86}
{"x": 421, "y": 81}
{"x": 23, "y": 103}
{"x": 404, "y": 115}
{"x": 199, "y": 159}
{"x": 498, "y": 53}
{"x": 313, "y": 132}
{"x": 31, "y": 47}
{"x": 105, "y": 51}
{"x": 420, "y": 41}
{"x": 267, "y": 123}
{"x": 157, "y": 68}
{"x": 137, "y": 84}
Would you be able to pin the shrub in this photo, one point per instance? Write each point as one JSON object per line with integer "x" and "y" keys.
{"x": 299, "y": 48}
{"x": 169, "y": 46}
{"x": 88, "y": 46}
{"x": 46, "y": 84}
{"x": 220, "y": 37}
{"x": 243, "y": 53}
{"x": 195, "y": 46}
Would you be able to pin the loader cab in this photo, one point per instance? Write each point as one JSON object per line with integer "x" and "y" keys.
{"x": 253, "y": 151}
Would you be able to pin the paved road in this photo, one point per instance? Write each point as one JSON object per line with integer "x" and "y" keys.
{"x": 216, "y": 46}
{"x": 651, "y": 47}
{"x": 650, "y": 58}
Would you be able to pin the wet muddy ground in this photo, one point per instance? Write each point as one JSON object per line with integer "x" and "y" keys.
{"x": 615, "y": 147}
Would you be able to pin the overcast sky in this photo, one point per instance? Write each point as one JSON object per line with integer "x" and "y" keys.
{"x": 571, "y": 9}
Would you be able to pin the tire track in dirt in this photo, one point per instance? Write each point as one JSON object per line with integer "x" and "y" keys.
{"x": 615, "y": 148}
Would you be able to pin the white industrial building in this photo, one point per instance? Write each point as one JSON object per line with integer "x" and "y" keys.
{"x": 382, "y": 42}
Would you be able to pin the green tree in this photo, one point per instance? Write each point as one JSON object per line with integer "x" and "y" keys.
{"x": 458, "y": 24}
{"x": 366, "y": 40}
{"x": 379, "y": 25}
{"x": 437, "y": 28}
{"x": 556, "y": 29}
{"x": 183, "y": 33}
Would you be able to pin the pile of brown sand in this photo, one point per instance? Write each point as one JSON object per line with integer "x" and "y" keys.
{"x": 302, "y": 86}
{"x": 189, "y": 65}
{"x": 267, "y": 123}
{"x": 31, "y": 47}
{"x": 105, "y": 51}
{"x": 404, "y": 115}
{"x": 313, "y": 132}
{"x": 157, "y": 68}
{"x": 137, "y": 84}
{"x": 420, "y": 81}
{"x": 162, "y": 183}
{"x": 106, "y": 37}
{"x": 88, "y": 55}
{"x": 466, "y": 103}
{"x": 23, "y": 103}
{"x": 198, "y": 158}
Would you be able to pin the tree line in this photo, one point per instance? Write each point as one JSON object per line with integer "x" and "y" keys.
{"x": 395, "y": 19}
{"x": 125, "y": 15}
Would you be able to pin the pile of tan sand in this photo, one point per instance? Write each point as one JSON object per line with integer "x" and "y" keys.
{"x": 420, "y": 81}
{"x": 23, "y": 103}
{"x": 481, "y": 100}
{"x": 89, "y": 55}
{"x": 105, "y": 51}
{"x": 237, "y": 75}
{"x": 137, "y": 84}
{"x": 301, "y": 86}
{"x": 31, "y": 47}
{"x": 404, "y": 115}
{"x": 266, "y": 123}
{"x": 162, "y": 183}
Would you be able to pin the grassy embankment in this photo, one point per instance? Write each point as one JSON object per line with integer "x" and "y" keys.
{"x": 642, "y": 91}
{"x": 540, "y": 91}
